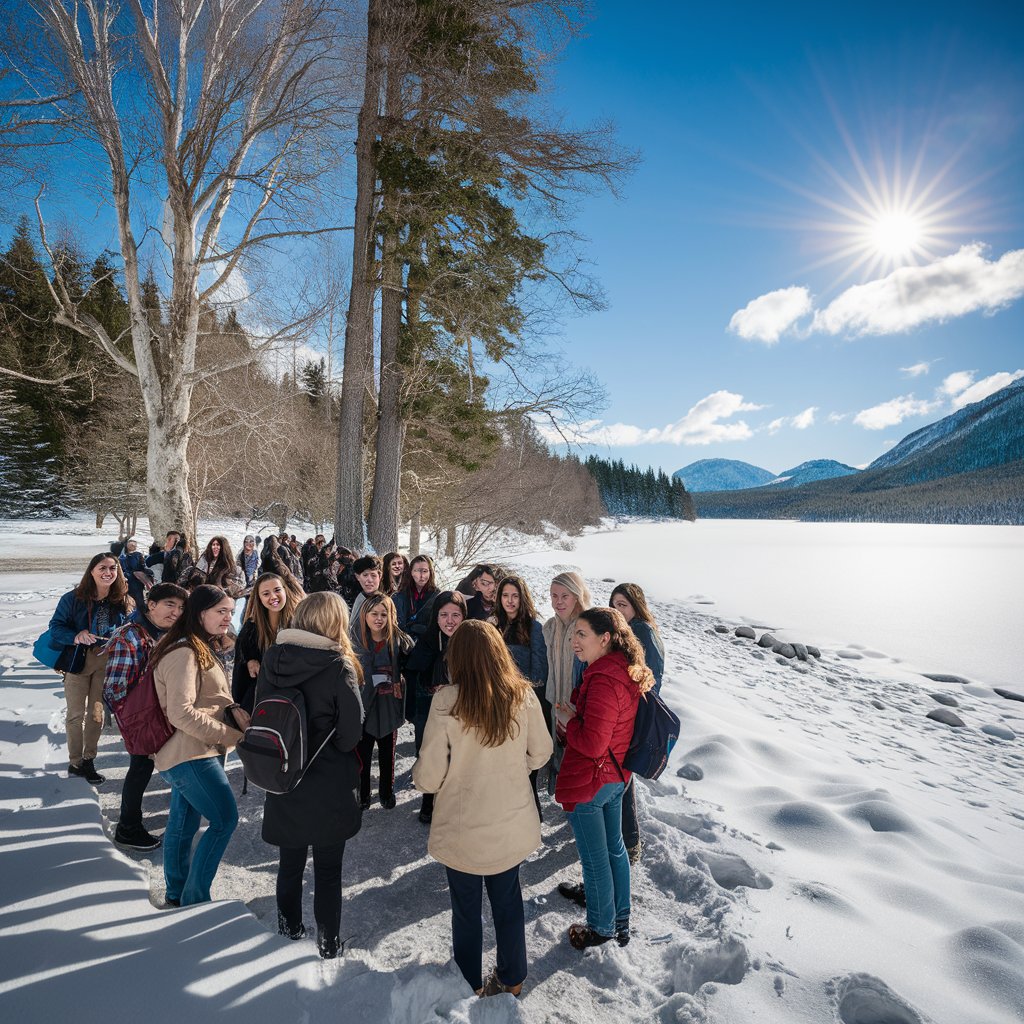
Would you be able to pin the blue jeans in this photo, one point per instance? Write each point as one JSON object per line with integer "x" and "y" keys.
{"x": 597, "y": 826}
{"x": 506, "y": 899}
{"x": 199, "y": 789}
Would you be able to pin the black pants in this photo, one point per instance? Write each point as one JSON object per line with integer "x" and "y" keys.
{"x": 326, "y": 886}
{"x": 630, "y": 826}
{"x": 140, "y": 771}
{"x": 506, "y": 899}
{"x": 386, "y": 761}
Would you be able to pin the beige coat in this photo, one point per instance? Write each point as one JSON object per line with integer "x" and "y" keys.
{"x": 194, "y": 702}
{"x": 485, "y": 820}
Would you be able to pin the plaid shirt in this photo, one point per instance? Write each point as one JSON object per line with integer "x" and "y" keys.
{"x": 127, "y": 655}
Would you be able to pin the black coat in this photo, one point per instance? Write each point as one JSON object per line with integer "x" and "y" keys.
{"x": 247, "y": 648}
{"x": 323, "y": 810}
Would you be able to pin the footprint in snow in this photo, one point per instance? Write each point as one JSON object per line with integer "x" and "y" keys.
{"x": 865, "y": 999}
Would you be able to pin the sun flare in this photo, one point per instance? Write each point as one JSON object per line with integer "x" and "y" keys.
{"x": 895, "y": 234}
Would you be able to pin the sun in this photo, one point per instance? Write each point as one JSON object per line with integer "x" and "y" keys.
{"x": 895, "y": 235}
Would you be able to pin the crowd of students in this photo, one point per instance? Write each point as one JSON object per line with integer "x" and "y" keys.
{"x": 495, "y": 698}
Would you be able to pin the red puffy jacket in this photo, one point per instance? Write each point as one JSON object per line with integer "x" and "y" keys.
{"x": 606, "y": 703}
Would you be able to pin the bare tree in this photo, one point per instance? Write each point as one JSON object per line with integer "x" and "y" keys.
{"x": 213, "y": 120}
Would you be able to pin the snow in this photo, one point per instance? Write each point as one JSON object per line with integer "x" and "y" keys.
{"x": 842, "y": 858}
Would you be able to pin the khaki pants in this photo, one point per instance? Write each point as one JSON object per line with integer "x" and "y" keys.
{"x": 83, "y": 692}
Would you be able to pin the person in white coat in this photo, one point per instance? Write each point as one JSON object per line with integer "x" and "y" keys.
{"x": 484, "y": 735}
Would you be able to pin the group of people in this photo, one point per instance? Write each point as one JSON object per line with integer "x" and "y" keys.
{"x": 495, "y": 697}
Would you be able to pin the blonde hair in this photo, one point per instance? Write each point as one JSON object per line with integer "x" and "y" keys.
{"x": 326, "y": 614}
{"x": 491, "y": 689}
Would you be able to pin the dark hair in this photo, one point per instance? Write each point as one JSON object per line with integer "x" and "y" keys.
{"x": 256, "y": 613}
{"x": 386, "y": 584}
{"x": 173, "y": 533}
{"x": 612, "y": 621}
{"x": 432, "y": 636}
{"x": 117, "y": 596}
{"x": 409, "y": 587}
{"x": 189, "y": 627}
{"x": 636, "y": 597}
{"x": 517, "y": 630}
{"x": 225, "y": 560}
{"x": 366, "y": 563}
{"x": 166, "y": 592}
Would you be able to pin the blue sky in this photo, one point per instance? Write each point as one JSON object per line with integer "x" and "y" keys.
{"x": 791, "y": 153}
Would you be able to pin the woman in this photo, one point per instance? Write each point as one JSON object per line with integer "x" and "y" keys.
{"x": 426, "y": 671}
{"x": 596, "y": 727}
{"x": 217, "y": 567}
{"x": 138, "y": 577}
{"x": 516, "y": 619}
{"x": 396, "y": 565}
{"x": 485, "y": 734}
{"x": 381, "y": 648}
{"x": 82, "y": 624}
{"x": 413, "y": 601}
{"x": 193, "y": 692}
{"x": 569, "y": 597}
{"x": 269, "y": 610}
{"x": 631, "y": 601}
{"x": 249, "y": 560}
{"x": 273, "y": 560}
{"x": 315, "y": 657}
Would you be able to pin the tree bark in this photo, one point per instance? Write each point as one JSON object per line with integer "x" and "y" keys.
{"x": 415, "y": 528}
{"x": 349, "y": 523}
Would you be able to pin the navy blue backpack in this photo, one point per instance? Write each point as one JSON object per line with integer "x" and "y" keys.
{"x": 655, "y": 732}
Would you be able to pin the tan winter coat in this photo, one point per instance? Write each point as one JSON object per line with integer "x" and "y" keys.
{"x": 485, "y": 820}
{"x": 194, "y": 702}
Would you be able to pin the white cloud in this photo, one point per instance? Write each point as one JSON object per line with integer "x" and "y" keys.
{"x": 985, "y": 387}
{"x": 836, "y": 417}
{"x": 961, "y": 283}
{"x": 917, "y": 370}
{"x": 701, "y": 425}
{"x": 805, "y": 419}
{"x": 767, "y": 317}
{"x": 888, "y": 414}
{"x": 953, "y": 286}
{"x": 957, "y": 382}
{"x": 776, "y": 425}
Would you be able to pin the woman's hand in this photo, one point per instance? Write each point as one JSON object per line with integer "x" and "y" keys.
{"x": 241, "y": 718}
{"x": 253, "y": 666}
{"x": 564, "y": 714}
{"x": 85, "y": 638}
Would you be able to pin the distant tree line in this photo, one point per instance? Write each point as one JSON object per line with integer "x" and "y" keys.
{"x": 632, "y": 491}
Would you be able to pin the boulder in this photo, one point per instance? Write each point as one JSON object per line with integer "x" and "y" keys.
{"x": 747, "y": 632}
{"x": 767, "y": 640}
{"x": 876, "y": 703}
{"x": 943, "y": 677}
{"x": 944, "y": 698}
{"x": 813, "y": 651}
{"x": 786, "y": 650}
{"x": 1000, "y": 732}
{"x": 1009, "y": 694}
{"x": 801, "y": 651}
{"x": 758, "y": 654}
{"x": 719, "y": 628}
{"x": 946, "y": 717}
{"x": 690, "y": 771}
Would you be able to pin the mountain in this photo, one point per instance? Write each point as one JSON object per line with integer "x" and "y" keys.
{"x": 816, "y": 469}
{"x": 965, "y": 468}
{"x": 722, "y": 475}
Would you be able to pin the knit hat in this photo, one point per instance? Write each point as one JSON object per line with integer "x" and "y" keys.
{"x": 573, "y": 582}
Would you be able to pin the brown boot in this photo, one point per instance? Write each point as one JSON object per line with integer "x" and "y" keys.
{"x": 493, "y": 986}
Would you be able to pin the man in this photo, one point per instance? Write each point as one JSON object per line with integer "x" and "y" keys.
{"x": 369, "y": 571}
{"x": 128, "y": 653}
{"x": 157, "y": 555}
{"x": 481, "y": 604}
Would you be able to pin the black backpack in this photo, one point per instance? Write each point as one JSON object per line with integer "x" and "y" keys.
{"x": 274, "y": 750}
{"x": 655, "y": 731}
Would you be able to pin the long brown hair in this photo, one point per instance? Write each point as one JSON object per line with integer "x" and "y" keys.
{"x": 491, "y": 690}
{"x": 255, "y": 612}
{"x": 517, "y": 630}
{"x": 612, "y": 621}
{"x": 386, "y": 584}
{"x": 117, "y": 596}
{"x": 326, "y": 614}
{"x": 390, "y": 630}
{"x": 224, "y": 562}
{"x": 638, "y": 599}
{"x": 188, "y": 628}
{"x": 408, "y": 587}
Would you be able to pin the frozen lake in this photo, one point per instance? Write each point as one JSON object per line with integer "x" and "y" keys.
{"x": 941, "y": 598}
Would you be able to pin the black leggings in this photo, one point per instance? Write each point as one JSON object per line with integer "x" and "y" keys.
{"x": 326, "y": 886}
{"x": 385, "y": 758}
{"x": 140, "y": 771}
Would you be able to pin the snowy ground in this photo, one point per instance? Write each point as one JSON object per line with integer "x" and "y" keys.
{"x": 843, "y": 858}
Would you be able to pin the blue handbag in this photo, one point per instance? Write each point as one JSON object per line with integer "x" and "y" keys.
{"x": 60, "y": 659}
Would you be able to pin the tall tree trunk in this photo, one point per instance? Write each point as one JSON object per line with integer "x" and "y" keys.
{"x": 449, "y": 542}
{"x": 349, "y": 526}
{"x": 415, "y": 528}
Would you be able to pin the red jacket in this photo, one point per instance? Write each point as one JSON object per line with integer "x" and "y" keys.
{"x": 606, "y": 703}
